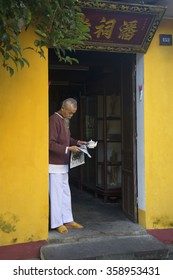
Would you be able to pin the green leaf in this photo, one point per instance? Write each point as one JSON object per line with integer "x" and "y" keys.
{"x": 6, "y": 56}
{"x": 26, "y": 61}
{"x": 37, "y": 43}
{"x": 11, "y": 70}
{"x": 28, "y": 48}
{"x": 58, "y": 23}
{"x": 41, "y": 52}
{"x": 15, "y": 50}
{"x": 6, "y": 38}
{"x": 2, "y": 51}
{"x": 40, "y": 33}
{"x": 21, "y": 62}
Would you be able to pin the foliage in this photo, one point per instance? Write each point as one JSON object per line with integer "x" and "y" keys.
{"x": 58, "y": 23}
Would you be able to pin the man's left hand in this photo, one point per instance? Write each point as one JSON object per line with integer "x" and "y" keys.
{"x": 80, "y": 143}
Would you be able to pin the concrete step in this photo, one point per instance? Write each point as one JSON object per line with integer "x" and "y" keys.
{"x": 97, "y": 229}
{"x": 141, "y": 247}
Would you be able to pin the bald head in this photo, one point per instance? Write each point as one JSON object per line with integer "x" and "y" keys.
{"x": 69, "y": 102}
{"x": 68, "y": 108}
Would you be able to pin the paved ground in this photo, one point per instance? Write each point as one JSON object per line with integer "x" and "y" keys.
{"x": 107, "y": 234}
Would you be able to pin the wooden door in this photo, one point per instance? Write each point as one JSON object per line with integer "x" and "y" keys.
{"x": 129, "y": 195}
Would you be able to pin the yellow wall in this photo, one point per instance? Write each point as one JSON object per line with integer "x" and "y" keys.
{"x": 24, "y": 144}
{"x": 24, "y": 151}
{"x": 158, "y": 116}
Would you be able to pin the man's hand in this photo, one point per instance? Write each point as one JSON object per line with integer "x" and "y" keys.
{"x": 74, "y": 149}
{"x": 80, "y": 143}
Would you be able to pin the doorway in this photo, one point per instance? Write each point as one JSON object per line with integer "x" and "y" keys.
{"x": 104, "y": 86}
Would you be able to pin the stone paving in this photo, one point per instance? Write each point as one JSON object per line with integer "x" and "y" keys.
{"x": 107, "y": 234}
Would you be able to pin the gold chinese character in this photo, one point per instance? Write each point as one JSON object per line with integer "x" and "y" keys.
{"x": 87, "y": 21}
{"x": 106, "y": 28}
{"x": 128, "y": 30}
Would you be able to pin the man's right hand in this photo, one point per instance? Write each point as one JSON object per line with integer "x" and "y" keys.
{"x": 74, "y": 149}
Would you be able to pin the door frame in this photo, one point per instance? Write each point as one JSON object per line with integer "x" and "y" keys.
{"x": 128, "y": 116}
{"x": 140, "y": 180}
{"x": 139, "y": 135}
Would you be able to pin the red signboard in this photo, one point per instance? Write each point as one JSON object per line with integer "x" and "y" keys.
{"x": 120, "y": 27}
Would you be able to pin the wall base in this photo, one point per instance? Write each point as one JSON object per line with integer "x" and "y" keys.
{"x": 164, "y": 235}
{"x": 23, "y": 251}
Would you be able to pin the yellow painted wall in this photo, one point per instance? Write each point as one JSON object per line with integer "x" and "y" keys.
{"x": 158, "y": 123}
{"x": 24, "y": 151}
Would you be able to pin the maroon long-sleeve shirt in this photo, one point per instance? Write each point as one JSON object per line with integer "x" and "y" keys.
{"x": 59, "y": 139}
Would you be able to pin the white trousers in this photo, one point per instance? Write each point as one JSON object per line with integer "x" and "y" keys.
{"x": 60, "y": 200}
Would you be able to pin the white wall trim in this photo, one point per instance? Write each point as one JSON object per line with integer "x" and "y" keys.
{"x": 140, "y": 131}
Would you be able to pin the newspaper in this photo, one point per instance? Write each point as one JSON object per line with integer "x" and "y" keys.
{"x": 83, "y": 149}
{"x": 77, "y": 159}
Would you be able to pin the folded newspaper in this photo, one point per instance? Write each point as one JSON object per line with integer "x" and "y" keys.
{"x": 77, "y": 159}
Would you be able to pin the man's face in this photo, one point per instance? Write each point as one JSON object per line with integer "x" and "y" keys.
{"x": 68, "y": 111}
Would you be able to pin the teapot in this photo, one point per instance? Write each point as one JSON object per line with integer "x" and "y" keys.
{"x": 91, "y": 144}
